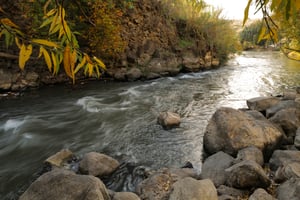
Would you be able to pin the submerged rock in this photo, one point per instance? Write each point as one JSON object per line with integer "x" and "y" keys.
{"x": 168, "y": 120}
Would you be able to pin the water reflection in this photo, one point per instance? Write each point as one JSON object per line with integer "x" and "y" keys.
{"x": 119, "y": 119}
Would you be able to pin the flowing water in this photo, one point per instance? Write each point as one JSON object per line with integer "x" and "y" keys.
{"x": 119, "y": 119}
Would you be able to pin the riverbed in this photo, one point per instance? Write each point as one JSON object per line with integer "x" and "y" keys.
{"x": 119, "y": 119}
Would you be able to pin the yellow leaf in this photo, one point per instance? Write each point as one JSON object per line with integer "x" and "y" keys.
{"x": 51, "y": 12}
{"x": 55, "y": 63}
{"x": 18, "y": 42}
{"x": 73, "y": 61}
{"x": 24, "y": 55}
{"x": 67, "y": 61}
{"x": 99, "y": 62}
{"x": 8, "y": 22}
{"x": 262, "y": 33}
{"x": 54, "y": 23}
{"x": 80, "y": 65}
{"x": 47, "y": 58}
{"x": 246, "y": 12}
{"x": 45, "y": 42}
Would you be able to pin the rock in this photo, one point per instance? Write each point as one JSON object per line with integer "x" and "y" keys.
{"x": 297, "y": 139}
{"x": 168, "y": 120}
{"x": 287, "y": 171}
{"x": 59, "y": 158}
{"x": 180, "y": 173}
{"x": 63, "y": 184}
{"x": 262, "y": 103}
{"x": 250, "y": 153}
{"x": 214, "y": 167}
{"x": 280, "y": 106}
{"x": 32, "y": 79}
{"x": 231, "y": 130}
{"x": 289, "y": 94}
{"x": 189, "y": 188}
{"x": 282, "y": 157}
{"x": 191, "y": 63}
{"x": 215, "y": 62}
{"x": 247, "y": 174}
{"x": 288, "y": 119}
{"x": 97, "y": 164}
{"x": 261, "y": 194}
{"x": 125, "y": 196}
{"x": 226, "y": 191}
{"x": 157, "y": 187}
{"x": 134, "y": 74}
{"x": 289, "y": 190}
{"x": 5, "y": 79}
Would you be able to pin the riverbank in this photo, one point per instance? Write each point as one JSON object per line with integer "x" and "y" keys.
{"x": 251, "y": 153}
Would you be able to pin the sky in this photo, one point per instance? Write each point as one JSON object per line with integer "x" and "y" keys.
{"x": 234, "y": 9}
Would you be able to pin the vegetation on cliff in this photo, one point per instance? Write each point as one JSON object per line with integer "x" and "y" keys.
{"x": 82, "y": 35}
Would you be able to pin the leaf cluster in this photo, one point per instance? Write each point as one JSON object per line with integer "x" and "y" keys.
{"x": 59, "y": 46}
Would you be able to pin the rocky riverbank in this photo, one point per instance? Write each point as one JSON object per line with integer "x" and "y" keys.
{"x": 250, "y": 154}
{"x": 153, "y": 50}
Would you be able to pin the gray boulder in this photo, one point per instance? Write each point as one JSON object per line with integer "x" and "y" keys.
{"x": 287, "y": 171}
{"x": 283, "y": 157}
{"x": 247, "y": 174}
{"x": 289, "y": 190}
{"x": 214, "y": 167}
{"x": 63, "y": 184}
{"x": 231, "y": 193}
{"x": 189, "y": 188}
{"x": 125, "y": 196}
{"x": 297, "y": 139}
{"x": 280, "y": 106}
{"x": 250, "y": 153}
{"x": 231, "y": 130}
{"x": 262, "y": 103}
{"x": 97, "y": 164}
{"x": 261, "y": 194}
{"x": 288, "y": 119}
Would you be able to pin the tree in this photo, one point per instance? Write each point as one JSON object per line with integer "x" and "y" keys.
{"x": 56, "y": 42}
{"x": 279, "y": 16}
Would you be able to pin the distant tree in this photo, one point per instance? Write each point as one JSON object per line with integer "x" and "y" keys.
{"x": 279, "y": 17}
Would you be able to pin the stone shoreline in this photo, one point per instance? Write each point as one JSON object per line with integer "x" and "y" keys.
{"x": 250, "y": 154}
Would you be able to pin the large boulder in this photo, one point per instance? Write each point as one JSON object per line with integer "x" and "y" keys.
{"x": 231, "y": 193}
{"x": 230, "y": 130}
{"x": 250, "y": 153}
{"x": 288, "y": 119}
{"x": 262, "y": 103}
{"x": 189, "y": 188}
{"x": 281, "y": 105}
{"x": 283, "y": 157}
{"x": 289, "y": 190}
{"x": 97, "y": 164}
{"x": 247, "y": 174}
{"x": 157, "y": 187}
{"x": 125, "y": 196}
{"x": 261, "y": 194}
{"x": 214, "y": 167}
{"x": 63, "y": 184}
{"x": 287, "y": 171}
{"x": 297, "y": 139}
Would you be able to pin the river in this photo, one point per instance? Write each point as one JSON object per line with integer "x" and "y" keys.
{"x": 119, "y": 119}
